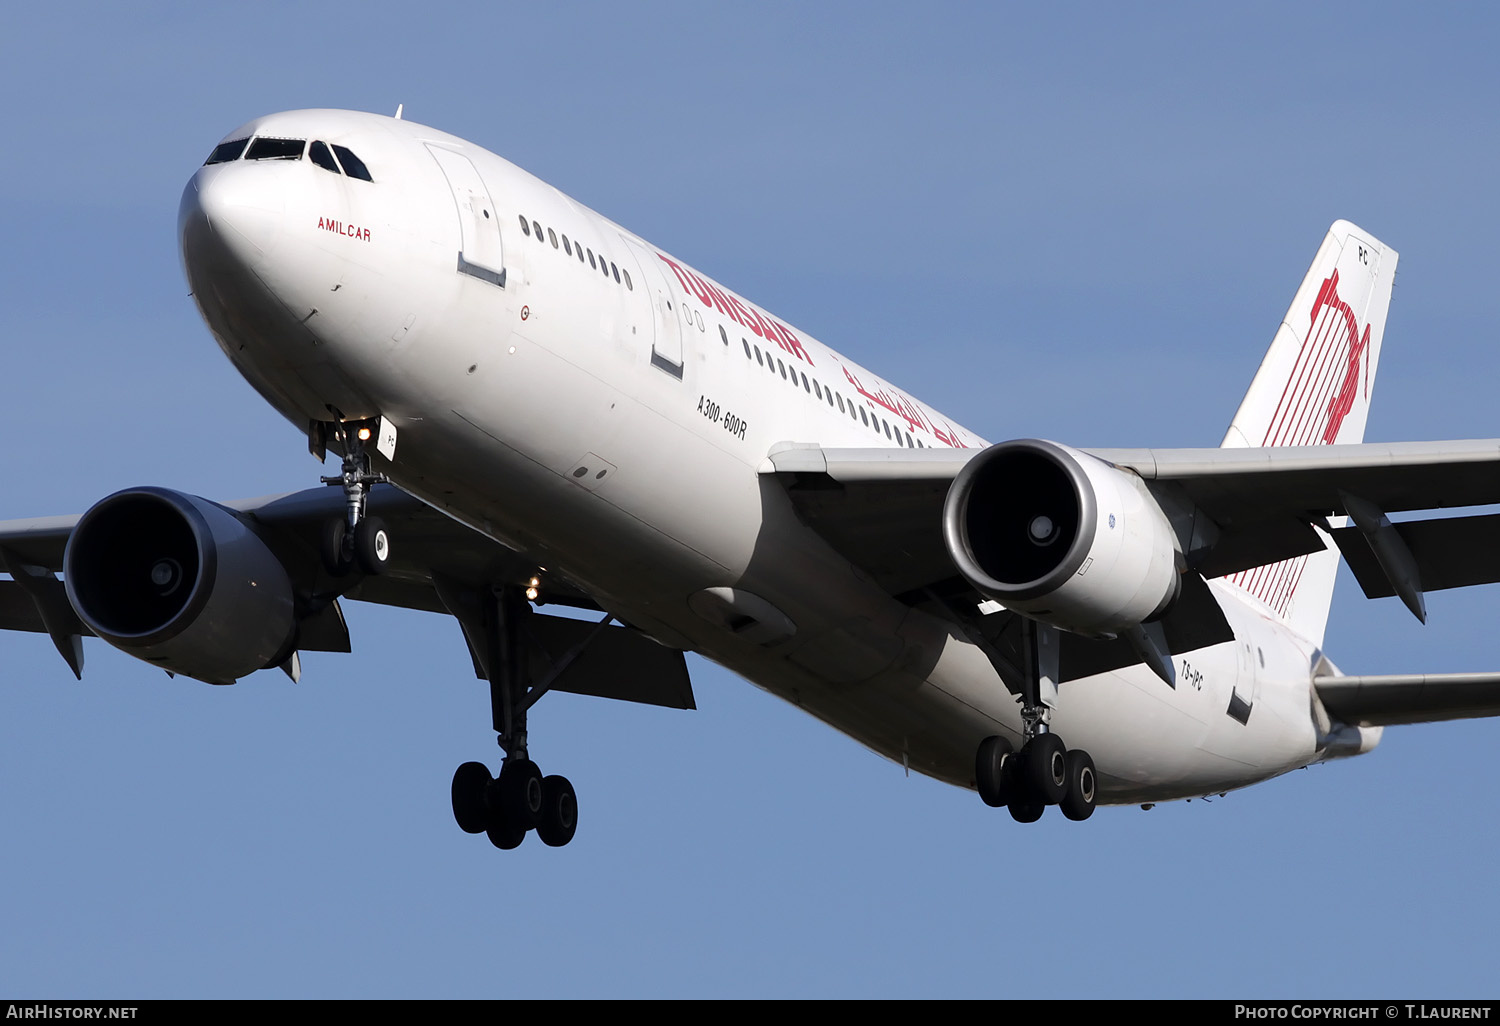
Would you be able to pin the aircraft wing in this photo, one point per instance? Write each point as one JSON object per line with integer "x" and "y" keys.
{"x": 437, "y": 564}
{"x": 882, "y": 508}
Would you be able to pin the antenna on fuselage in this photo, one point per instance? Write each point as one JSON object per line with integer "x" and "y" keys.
{"x": 398, "y": 110}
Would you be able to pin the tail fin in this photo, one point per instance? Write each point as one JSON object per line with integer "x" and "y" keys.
{"x": 1313, "y": 388}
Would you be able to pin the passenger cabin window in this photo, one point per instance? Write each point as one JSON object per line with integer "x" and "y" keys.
{"x": 553, "y": 236}
{"x": 319, "y": 155}
{"x": 525, "y": 225}
{"x": 276, "y": 149}
{"x": 631, "y": 288}
{"x": 227, "y": 151}
{"x": 353, "y": 166}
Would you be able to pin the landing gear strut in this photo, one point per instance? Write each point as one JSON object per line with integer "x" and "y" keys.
{"x": 355, "y": 539}
{"x": 1044, "y": 772}
{"x": 520, "y": 799}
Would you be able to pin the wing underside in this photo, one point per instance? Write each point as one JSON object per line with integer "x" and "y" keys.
{"x": 1236, "y": 509}
{"x": 438, "y": 565}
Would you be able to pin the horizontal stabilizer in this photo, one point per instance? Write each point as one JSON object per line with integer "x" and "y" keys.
{"x": 1409, "y": 697}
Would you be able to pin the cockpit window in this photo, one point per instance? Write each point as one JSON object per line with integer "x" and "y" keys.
{"x": 275, "y": 149}
{"x": 319, "y": 155}
{"x": 227, "y": 151}
{"x": 353, "y": 166}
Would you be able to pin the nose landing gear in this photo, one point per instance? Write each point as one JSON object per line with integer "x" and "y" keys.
{"x": 355, "y": 539}
{"x": 1044, "y": 772}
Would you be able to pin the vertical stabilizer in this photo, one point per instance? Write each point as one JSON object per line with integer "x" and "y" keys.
{"x": 1314, "y": 388}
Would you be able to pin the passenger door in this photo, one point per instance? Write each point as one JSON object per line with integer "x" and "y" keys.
{"x": 480, "y": 254}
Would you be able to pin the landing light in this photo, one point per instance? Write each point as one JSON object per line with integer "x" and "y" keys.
{"x": 364, "y": 434}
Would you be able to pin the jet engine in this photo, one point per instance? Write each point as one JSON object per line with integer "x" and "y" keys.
{"x": 180, "y": 582}
{"x": 1062, "y": 537}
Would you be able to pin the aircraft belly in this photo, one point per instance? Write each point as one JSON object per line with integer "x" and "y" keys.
{"x": 895, "y": 712}
{"x": 1149, "y": 742}
{"x": 1154, "y": 743}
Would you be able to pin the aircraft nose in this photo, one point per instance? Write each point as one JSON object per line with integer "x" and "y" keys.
{"x": 228, "y": 210}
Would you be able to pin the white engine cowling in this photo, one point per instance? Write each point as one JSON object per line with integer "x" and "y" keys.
{"x": 179, "y": 582}
{"x": 1062, "y": 537}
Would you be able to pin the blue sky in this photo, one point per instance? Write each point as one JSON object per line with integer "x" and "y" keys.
{"x": 1082, "y": 224}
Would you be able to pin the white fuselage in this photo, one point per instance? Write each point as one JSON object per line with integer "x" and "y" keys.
{"x": 615, "y": 433}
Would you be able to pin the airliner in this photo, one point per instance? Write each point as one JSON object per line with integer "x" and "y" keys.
{"x": 597, "y": 458}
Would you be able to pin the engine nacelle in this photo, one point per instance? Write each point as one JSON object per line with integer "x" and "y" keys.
{"x": 181, "y": 583}
{"x": 1062, "y": 537}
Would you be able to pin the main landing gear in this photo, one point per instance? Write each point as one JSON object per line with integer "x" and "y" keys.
{"x": 520, "y": 799}
{"x": 355, "y": 539}
{"x": 1044, "y": 772}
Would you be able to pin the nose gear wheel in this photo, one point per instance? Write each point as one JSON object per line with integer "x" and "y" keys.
{"x": 355, "y": 539}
